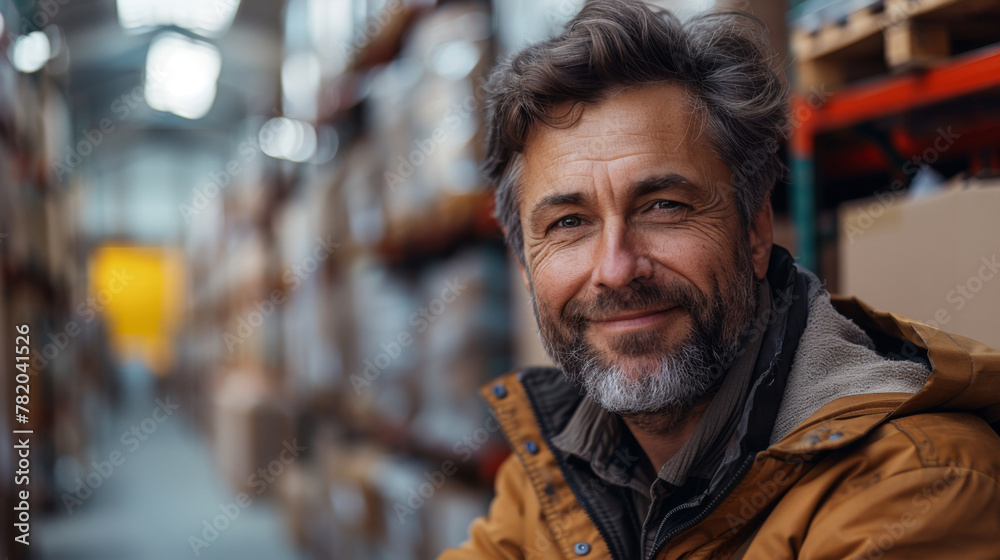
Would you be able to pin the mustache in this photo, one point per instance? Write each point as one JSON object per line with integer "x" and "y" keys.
{"x": 641, "y": 297}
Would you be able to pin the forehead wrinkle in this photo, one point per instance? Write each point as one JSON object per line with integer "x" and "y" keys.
{"x": 584, "y": 159}
{"x": 660, "y": 136}
{"x": 583, "y": 156}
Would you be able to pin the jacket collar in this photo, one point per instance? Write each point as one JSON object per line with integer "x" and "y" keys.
{"x": 964, "y": 375}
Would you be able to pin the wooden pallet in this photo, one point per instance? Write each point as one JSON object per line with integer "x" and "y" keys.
{"x": 893, "y": 36}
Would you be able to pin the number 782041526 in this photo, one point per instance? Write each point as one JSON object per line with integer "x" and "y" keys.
{"x": 22, "y": 351}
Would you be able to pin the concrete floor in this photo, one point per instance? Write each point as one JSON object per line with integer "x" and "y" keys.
{"x": 156, "y": 499}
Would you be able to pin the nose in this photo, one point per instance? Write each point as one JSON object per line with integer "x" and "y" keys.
{"x": 619, "y": 259}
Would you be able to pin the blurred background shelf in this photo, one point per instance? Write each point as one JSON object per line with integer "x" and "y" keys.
{"x": 837, "y": 43}
{"x": 851, "y": 141}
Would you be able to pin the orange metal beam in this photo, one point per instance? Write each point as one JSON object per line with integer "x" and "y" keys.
{"x": 966, "y": 74}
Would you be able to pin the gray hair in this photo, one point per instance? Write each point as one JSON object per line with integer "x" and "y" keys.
{"x": 723, "y": 59}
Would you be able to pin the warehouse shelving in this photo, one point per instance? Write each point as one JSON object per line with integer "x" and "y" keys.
{"x": 957, "y": 87}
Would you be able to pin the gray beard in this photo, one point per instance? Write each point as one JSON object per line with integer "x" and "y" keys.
{"x": 679, "y": 381}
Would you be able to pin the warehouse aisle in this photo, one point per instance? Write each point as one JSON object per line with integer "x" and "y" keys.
{"x": 160, "y": 495}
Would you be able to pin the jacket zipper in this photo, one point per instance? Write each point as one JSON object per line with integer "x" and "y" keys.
{"x": 736, "y": 478}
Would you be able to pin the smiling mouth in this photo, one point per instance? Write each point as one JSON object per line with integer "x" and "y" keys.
{"x": 635, "y": 320}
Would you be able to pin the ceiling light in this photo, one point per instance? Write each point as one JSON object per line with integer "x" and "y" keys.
{"x": 181, "y": 75}
{"x": 290, "y": 139}
{"x": 209, "y": 18}
{"x": 31, "y": 52}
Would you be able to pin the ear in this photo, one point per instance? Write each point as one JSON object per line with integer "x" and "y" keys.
{"x": 761, "y": 240}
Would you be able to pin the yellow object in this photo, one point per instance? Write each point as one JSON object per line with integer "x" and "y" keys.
{"x": 139, "y": 291}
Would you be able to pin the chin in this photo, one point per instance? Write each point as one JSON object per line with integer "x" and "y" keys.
{"x": 635, "y": 368}
{"x": 647, "y": 384}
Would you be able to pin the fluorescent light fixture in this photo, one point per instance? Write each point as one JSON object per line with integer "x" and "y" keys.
{"x": 209, "y": 18}
{"x": 31, "y": 52}
{"x": 181, "y": 75}
{"x": 290, "y": 139}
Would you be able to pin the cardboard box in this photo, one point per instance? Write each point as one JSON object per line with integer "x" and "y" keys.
{"x": 451, "y": 512}
{"x": 349, "y": 523}
{"x": 933, "y": 259}
{"x": 251, "y": 428}
{"x": 301, "y": 492}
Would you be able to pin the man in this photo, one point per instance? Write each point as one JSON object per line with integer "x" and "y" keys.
{"x": 711, "y": 401}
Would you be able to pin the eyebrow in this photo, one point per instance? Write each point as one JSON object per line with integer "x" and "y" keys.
{"x": 637, "y": 189}
{"x": 655, "y": 184}
{"x": 556, "y": 199}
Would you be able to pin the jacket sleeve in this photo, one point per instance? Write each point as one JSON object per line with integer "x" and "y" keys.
{"x": 499, "y": 534}
{"x": 927, "y": 513}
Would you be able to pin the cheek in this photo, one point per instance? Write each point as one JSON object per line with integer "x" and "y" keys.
{"x": 559, "y": 277}
{"x": 696, "y": 258}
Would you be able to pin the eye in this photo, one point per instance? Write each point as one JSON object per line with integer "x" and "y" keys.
{"x": 568, "y": 222}
{"x": 666, "y": 205}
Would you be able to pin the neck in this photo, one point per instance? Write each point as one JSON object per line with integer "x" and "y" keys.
{"x": 661, "y": 435}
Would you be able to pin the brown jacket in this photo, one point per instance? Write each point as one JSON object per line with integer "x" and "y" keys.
{"x": 869, "y": 476}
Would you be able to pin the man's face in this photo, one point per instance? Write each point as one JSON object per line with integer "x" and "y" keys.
{"x": 641, "y": 274}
